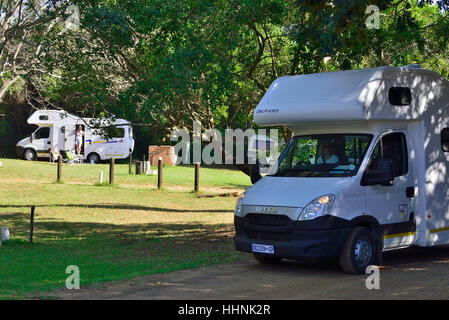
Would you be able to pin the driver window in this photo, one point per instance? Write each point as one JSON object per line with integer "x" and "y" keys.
{"x": 42, "y": 133}
{"x": 392, "y": 147}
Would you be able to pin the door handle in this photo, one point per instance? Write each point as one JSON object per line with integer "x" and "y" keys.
{"x": 410, "y": 192}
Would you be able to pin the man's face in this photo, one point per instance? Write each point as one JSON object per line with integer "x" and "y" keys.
{"x": 327, "y": 149}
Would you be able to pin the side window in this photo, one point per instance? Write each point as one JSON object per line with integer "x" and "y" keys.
{"x": 118, "y": 132}
{"x": 115, "y": 132}
{"x": 445, "y": 139}
{"x": 42, "y": 133}
{"x": 392, "y": 147}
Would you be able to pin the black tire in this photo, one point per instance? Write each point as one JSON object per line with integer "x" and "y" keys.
{"x": 264, "y": 259}
{"x": 29, "y": 155}
{"x": 359, "y": 251}
{"x": 93, "y": 157}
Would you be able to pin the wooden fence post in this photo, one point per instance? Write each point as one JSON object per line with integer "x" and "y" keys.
{"x": 111, "y": 171}
{"x": 159, "y": 173}
{"x": 130, "y": 163}
{"x": 197, "y": 176}
{"x": 139, "y": 168}
{"x": 32, "y": 223}
{"x": 59, "y": 174}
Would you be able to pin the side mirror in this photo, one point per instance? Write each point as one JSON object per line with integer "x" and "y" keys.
{"x": 382, "y": 176}
{"x": 255, "y": 172}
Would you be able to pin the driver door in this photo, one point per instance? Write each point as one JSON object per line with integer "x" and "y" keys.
{"x": 42, "y": 141}
{"x": 393, "y": 205}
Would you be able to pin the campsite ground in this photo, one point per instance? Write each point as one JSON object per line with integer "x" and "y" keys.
{"x": 110, "y": 232}
{"x": 132, "y": 241}
{"x": 415, "y": 273}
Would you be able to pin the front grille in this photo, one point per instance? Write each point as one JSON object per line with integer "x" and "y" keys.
{"x": 268, "y": 219}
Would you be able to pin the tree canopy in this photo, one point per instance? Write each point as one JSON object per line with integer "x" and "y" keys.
{"x": 163, "y": 64}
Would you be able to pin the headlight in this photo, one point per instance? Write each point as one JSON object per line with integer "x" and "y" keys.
{"x": 318, "y": 207}
{"x": 238, "y": 207}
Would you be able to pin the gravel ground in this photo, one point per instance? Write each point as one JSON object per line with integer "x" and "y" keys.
{"x": 414, "y": 273}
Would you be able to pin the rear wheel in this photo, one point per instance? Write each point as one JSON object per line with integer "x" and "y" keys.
{"x": 29, "y": 154}
{"x": 358, "y": 251}
{"x": 93, "y": 158}
{"x": 264, "y": 259}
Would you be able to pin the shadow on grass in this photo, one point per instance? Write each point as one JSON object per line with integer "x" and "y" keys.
{"x": 51, "y": 228}
{"x": 119, "y": 206}
{"x": 104, "y": 251}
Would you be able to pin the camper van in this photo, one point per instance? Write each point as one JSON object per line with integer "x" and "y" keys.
{"x": 367, "y": 169}
{"x": 55, "y": 135}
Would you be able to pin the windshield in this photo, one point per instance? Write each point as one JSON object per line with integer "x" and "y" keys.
{"x": 322, "y": 155}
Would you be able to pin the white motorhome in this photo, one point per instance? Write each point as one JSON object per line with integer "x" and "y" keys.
{"x": 367, "y": 170}
{"x": 56, "y": 133}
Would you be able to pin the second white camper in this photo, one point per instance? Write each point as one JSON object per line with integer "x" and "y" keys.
{"x": 56, "y": 133}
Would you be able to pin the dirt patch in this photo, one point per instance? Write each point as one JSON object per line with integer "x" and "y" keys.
{"x": 415, "y": 273}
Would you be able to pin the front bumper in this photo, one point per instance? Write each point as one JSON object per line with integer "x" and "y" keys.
{"x": 321, "y": 238}
{"x": 20, "y": 151}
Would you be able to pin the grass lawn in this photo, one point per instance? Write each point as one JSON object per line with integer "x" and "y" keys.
{"x": 109, "y": 232}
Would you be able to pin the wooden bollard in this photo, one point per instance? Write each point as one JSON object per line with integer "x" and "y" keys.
{"x": 32, "y": 223}
{"x": 139, "y": 169}
{"x": 130, "y": 163}
{"x": 111, "y": 171}
{"x": 159, "y": 173}
{"x": 59, "y": 173}
{"x": 197, "y": 177}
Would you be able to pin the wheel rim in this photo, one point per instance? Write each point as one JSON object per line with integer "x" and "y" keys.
{"x": 93, "y": 158}
{"x": 29, "y": 155}
{"x": 363, "y": 251}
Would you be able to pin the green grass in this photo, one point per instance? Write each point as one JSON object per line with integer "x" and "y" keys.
{"x": 110, "y": 232}
{"x": 179, "y": 177}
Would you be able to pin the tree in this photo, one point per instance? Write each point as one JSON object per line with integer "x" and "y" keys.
{"x": 23, "y": 24}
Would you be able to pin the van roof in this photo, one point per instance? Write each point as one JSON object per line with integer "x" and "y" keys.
{"x": 50, "y": 117}
{"x": 354, "y": 95}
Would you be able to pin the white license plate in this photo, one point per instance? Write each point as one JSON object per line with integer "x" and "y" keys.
{"x": 261, "y": 248}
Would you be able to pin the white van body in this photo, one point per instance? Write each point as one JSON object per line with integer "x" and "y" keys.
{"x": 413, "y": 211}
{"x": 56, "y": 133}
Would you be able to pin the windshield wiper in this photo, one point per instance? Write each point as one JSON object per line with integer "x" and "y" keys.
{"x": 284, "y": 172}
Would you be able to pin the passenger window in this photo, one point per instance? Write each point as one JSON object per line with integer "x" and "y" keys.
{"x": 42, "y": 133}
{"x": 355, "y": 148}
{"x": 118, "y": 132}
{"x": 391, "y": 147}
{"x": 445, "y": 139}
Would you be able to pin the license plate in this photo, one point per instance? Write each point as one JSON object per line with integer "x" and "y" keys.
{"x": 261, "y": 248}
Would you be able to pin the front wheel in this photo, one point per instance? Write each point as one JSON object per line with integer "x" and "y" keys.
{"x": 358, "y": 251}
{"x": 264, "y": 259}
{"x": 29, "y": 155}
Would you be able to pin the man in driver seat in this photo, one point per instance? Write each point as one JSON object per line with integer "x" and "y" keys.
{"x": 327, "y": 155}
